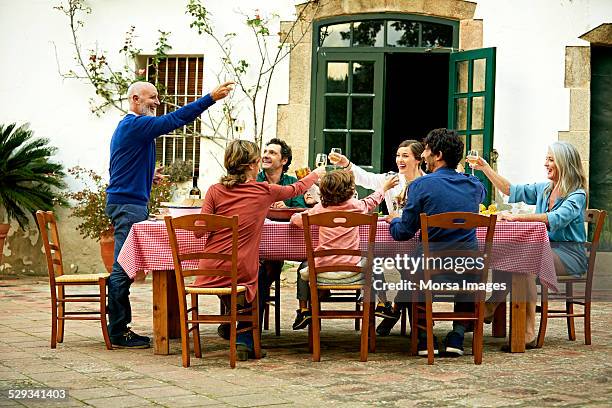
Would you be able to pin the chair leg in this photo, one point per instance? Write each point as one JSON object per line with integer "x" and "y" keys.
{"x": 357, "y": 308}
{"x": 102, "y": 286}
{"x": 233, "y": 322}
{"x": 414, "y": 330}
{"x": 477, "y": 339}
{"x": 403, "y": 321}
{"x": 587, "y": 323}
{"x": 277, "y": 306}
{"x": 543, "y": 317}
{"x": 315, "y": 323}
{"x": 569, "y": 308}
{"x": 185, "y": 351}
{"x": 429, "y": 324}
{"x": 365, "y": 328}
{"x": 197, "y": 346}
{"x": 54, "y": 320}
{"x": 255, "y": 323}
{"x": 61, "y": 307}
{"x": 372, "y": 329}
{"x": 266, "y": 316}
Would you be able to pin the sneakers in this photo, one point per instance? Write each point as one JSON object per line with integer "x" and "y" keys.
{"x": 386, "y": 311}
{"x": 130, "y": 340}
{"x": 454, "y": 344}
{"x": 139, "y": 337}
{"x": 384, "y": 328}
{"x": 302, "y": 319}
{"x": 422, "y": 345}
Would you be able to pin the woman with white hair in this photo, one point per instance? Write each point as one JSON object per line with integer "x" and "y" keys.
{"x": 560, "y": 204}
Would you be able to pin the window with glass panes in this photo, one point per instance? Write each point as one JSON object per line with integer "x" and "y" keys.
{"x": 349, "y": 85}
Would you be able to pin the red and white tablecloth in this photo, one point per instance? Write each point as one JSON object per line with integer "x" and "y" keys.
{"x": 519, "y": 247}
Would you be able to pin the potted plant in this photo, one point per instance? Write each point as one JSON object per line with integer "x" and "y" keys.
{"x": 180, "y": 173}
{"x": 29, "y": 181}
{"x": 90, "y": 204}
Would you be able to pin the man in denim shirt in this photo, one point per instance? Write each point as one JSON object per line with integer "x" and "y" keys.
{"x": 443, "y": 190}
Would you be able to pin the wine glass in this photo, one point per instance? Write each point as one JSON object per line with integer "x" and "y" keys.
{"x": 335, "y": 150}
{"x": 321, "y": 160}
{"x": 472, "y": 158}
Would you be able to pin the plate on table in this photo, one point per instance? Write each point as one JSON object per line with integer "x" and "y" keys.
{"x": 183, "y": 208}
{"x": 283, "y": 214}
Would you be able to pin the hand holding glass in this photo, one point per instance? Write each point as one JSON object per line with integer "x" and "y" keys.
{"x": 334, "y": 151}
{"x": 472, "y": 158}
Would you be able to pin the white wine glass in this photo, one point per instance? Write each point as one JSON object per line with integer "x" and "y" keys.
{"x": 321, "y": 160}
{"x": 472, "y": 158}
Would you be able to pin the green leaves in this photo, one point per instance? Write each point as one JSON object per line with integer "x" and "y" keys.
{"x": 29, "y": 181}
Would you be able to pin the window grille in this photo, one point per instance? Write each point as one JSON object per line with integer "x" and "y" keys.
{"x": 179, "y": 81}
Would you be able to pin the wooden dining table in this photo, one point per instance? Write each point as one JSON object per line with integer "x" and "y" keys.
{"x": 147, "y": 248}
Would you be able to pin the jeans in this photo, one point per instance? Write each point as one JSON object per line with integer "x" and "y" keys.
{"x": 122, "y": 216}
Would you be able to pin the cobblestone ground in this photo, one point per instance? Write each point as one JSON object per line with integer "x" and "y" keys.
{"x": 563, "y": 373}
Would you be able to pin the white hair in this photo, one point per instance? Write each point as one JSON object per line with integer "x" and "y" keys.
{"x": 569, "y": 165}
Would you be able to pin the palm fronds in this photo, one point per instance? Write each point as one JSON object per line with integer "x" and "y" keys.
{"x": 29, "y": 181}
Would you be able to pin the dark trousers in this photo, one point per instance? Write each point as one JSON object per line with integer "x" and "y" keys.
{"x": 268, "y": 272}
{"x": 122, "y": 216}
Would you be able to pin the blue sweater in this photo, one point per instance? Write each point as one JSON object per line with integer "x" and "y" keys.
{"x": 132, "y": 151}
{"x": 442, "y": 191}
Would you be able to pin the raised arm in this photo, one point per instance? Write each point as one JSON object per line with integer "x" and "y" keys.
{"x": 281, "y": 193}
{"x": 498, "y": 181}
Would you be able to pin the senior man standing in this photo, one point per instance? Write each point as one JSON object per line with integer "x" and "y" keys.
{"x": 132, "y": 170}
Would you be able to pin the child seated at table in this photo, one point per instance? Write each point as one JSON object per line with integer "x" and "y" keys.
{"x": 337, "y": 189}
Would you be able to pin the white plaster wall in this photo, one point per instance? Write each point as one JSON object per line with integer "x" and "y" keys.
{"x": 531, "y": 103}
{"x": 31, "y": 89}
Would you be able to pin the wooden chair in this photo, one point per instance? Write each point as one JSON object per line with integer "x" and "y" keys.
{"x": 453, "y": 220}
{"x": 201, "y": 224}
{"x": 58, "y": 280}
{"x": 595, "y": 218}
{"x": 340, "y": 219}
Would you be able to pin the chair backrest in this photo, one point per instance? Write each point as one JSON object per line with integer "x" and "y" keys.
{"x": 457, "y": 220}
{"x": 50, "y": 238}
{"x": 200, "y": 225}
{"x": 336, "y": 219}
{"x": 597, "y": 219}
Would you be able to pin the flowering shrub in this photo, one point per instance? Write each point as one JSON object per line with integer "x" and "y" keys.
{"x": 90, "y": 202}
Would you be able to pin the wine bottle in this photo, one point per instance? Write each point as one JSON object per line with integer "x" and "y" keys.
{"x": 195, "y": 193}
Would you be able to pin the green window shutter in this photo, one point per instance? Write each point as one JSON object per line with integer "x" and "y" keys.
{"x": 471, "y": 102}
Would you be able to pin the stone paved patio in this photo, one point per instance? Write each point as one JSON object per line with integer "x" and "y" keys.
{"x": 562, "y": 374}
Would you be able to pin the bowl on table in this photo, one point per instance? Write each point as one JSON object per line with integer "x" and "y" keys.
{"x": 283, "y": 214}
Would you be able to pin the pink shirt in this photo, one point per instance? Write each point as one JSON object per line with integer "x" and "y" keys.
{"x": 340, "y": 237}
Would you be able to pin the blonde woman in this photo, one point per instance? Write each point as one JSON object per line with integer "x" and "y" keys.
{"x": 238, "y": 193}
{"x": 560, "y": 204}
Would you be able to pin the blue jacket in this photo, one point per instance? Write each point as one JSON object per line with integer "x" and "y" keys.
{"x": 442, "y": 191}
{"x": 565, "y": 220}
{"x": 132, "y": 151}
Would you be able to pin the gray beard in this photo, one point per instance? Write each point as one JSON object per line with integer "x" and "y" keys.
{"x": 145, "y": 111}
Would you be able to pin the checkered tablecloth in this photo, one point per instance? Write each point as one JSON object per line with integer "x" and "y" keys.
{"x": 519, "y": 247}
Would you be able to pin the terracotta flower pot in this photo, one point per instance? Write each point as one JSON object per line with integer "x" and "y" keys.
{"x": 107, "y": 249}
{"x": 3, "y": 233}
